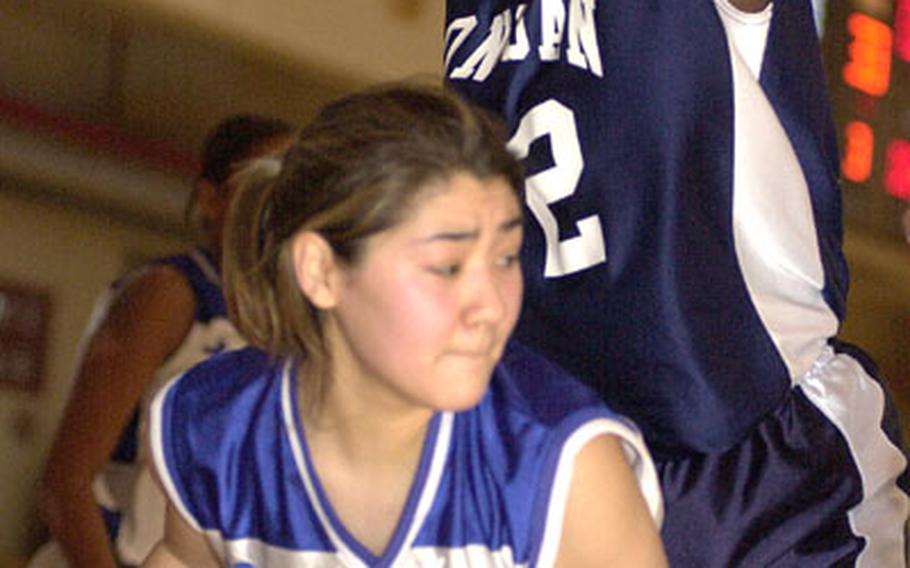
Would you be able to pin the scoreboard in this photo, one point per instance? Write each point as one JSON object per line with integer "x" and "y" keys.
{"x": 866, "y": 48}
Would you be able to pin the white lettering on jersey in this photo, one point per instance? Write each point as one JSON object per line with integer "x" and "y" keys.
{"x": 483, "y": 60}
{"x": 554, "y": 119}
{"x": 519, "y": 48}
{"x": 463, "y": 28}
{"x": 552, "y": 24}
{"x": 507, "y": 39}
{"x": 583, "y": 51}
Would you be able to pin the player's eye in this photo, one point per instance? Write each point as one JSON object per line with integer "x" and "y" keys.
{"x": 507, "y": 261}
{"x": 446, "y": 270}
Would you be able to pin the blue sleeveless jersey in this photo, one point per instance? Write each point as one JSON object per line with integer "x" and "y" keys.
{"x": 623, "y": 114}
{"x": 489, "y": 490}
{"x": 132, "y": 504}
{"x": 198, "y": 268}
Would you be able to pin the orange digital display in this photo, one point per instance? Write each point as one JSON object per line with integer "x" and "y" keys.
{"x": 897, "y": 169}
{"x": 868, "y": 66}
{"x": 859, "y": 145}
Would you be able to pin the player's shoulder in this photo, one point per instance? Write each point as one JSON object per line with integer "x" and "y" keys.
{"x": 223, "y": 379}
{"x": 196, "y": 262}
{"x": 218, "y": 404}
{"x": 199, "y": 269}
{"x": 223, "y": 407}
{"x": 237, "y": 362}
{"x": 156, "y": 276}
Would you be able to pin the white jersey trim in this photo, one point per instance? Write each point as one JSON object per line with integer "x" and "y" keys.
{"x": 258, "y": 553}
{"x": 855, "y": 403}
{"x": 434, "y": 475}
{"x": 344, "y": 555}
{"x": 156, "y": 441}
{"x": 425, "y": 501}
{"x": 747, "y": 32}
{"x": 774, "y": 229}
{"x": 210, "y": 272}
{"x": 639, "y": 459}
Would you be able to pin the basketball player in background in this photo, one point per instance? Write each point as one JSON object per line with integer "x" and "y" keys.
{"x": 97, "y": 497}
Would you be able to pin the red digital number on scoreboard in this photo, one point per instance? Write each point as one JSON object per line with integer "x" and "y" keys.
{"x": 859, "y": 145}
{"x": 868, "y": 66}
{"x": 897, "y": 169}
{"x": 902, "y": 30}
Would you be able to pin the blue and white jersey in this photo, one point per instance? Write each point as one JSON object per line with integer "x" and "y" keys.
{"x": 683, "y": 249}
{"x": 490, "y": 488}
{"x": 132, "y": 502}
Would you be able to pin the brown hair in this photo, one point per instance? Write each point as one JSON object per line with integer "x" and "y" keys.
{"x": 354, "y": 171}
{"x": 228, "y": 144}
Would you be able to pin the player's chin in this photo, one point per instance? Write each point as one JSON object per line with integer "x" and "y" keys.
{"x": 467, "y": 386}
{"x": 461, "y": 403}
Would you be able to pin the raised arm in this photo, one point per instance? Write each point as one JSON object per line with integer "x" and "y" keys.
{"x": 607, "y": 522}
{"x": 144, "y": 324}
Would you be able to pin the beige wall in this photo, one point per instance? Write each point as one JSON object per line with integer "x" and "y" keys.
{"x": 72, "y": 254}
{"x": 372, "y": 40}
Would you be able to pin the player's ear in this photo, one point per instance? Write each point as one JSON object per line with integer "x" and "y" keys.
{"x": 316, "y": 269}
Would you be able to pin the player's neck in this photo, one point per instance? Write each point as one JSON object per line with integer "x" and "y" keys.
{"x": 363, "y": 414}
{"x": 751, "y": 5}
{"x": 366, "y": 463}
{"x": 364, "y": 433}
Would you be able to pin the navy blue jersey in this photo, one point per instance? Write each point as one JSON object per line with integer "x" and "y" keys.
{"x": 623, "y": 112}
{"x": 489, "y": 490}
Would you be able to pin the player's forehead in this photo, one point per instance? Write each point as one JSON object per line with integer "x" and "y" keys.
{"x": 464, "y": 203}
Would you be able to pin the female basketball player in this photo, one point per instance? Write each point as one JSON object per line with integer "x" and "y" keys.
{"x": 385, "y": 419}
{"x": 155, "y": 323}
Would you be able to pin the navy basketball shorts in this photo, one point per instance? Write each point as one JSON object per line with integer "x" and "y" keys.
{"x": 820, "y": 482}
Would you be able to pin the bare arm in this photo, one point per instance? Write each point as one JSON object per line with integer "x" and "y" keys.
{"x": 143, "y": 326}
{"x": 607, "y": 522}
{"x": 182, "y": 547}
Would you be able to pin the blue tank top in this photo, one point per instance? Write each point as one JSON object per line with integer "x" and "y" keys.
{"x": 489, "y": 490}
{"x": 131, "y": 502}
{"x": 198, "y": 268}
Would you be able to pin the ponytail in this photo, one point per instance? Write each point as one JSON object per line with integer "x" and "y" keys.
{"x": 260, "y": 285}
{"x": 249, "y": 259}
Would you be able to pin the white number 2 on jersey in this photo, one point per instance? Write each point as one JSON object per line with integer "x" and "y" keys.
{"x": 552, "y": 118}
